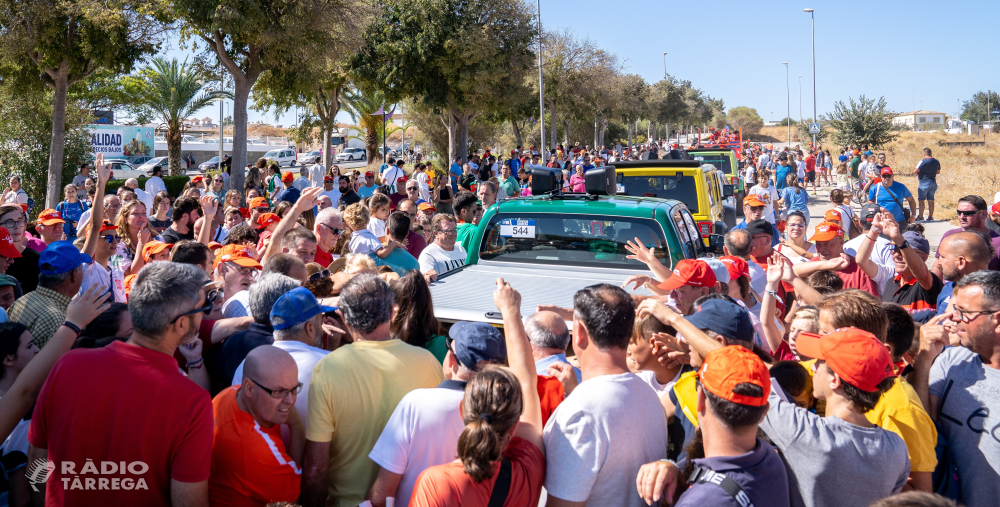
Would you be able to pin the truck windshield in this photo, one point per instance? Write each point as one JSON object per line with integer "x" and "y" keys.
{"x": 672, "y": 186}
{"x": 720, "y": 162}
{"x": 570, "y": 240}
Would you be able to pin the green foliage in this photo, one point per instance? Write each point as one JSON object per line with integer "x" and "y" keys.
{"x": 787, "y": 121}
{"x": 863, "y": 122}
{"x": 746, "y": 118}
{"x": 975, "y": 109}
{"x": 25, "y": 131}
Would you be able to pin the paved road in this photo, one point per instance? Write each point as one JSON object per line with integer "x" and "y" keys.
{"x": 341, "y": 165}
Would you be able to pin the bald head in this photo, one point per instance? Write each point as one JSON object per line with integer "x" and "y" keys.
{"x": 132, "y": 183}
{"x": 965, "y": 252}
{"x": 547, "y": 330}
{"x": 267, "y": 364}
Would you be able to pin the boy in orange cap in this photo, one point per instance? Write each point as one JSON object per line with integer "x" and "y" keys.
{"x": 156, "y": 251}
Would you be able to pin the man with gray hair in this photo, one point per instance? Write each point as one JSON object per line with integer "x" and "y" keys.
{"x": 142, "y": 195}
{"x": 158, "y": 421}
{"x": 549, "y": 337}
{"x": 353, "y": 392}
{"x": 328, "y": 228}
{"x": 738, "y": 243}
{"x": 302, "y": 182}
{"x": 263, "y": 295}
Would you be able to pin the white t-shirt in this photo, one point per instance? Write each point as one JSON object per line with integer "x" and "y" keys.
{"x": 391, "y": 177}
{"x": 422, "y": 432}
{"x": 305, "y": 357}
{"x": 758, "y": 277}
{"x": 425, "y": 191}
{"x": 364, "y": 241}
{"x": 770, "y": 196}
{"x": 95, "y": 274}
{"x": 19, "y": 197}
{"x": 649, "y": 377}
{"x": 334, "y": 196}
{"x": 154, "y": 186}
{"x": 316, "y": 175}
{"x": 800, "y": 169}
{"x": 441, "y": 260}
{"x": 596, "y": 440}
{"x": 237, "y": 306}
{"x": 792, "y": 255}
{"x": 881, "y": 252}
{"x": 376, "y": 226}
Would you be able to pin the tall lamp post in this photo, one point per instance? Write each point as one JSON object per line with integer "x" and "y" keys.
{"x": 541, "y": 87}
{"x": 664, "y": 65}
{"x": 788, "y": 105}
{"x": 800, "y": 98}
{"x": 812, "y": 15}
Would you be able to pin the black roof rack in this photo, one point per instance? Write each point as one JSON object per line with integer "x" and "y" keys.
{"x": 625, "y": 164}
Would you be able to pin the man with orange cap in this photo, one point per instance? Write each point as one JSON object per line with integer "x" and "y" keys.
{"x": 857, "y": 272}
{"x": 237, "y": 270}
{"x": 50, "y": 226}
{"x": 754, "y": 209}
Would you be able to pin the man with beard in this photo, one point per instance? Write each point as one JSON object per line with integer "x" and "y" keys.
{"x": 347, "y": 194}
{"x": 961, "y": 253}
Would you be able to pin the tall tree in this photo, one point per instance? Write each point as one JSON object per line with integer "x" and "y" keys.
{"x": 634, "y": 101}
{"x": 172, "y": 92}
{"x": 864, "y": 121}
{"x": 745, "y": 118}
{"x": 982, "y": 106}
{"x": 567, "y": 63}
{"x": 57, "y": 43}
{"x": 249, "y": 39}
{"x": 458, "y": 57}
{"x": 362, "y": 105}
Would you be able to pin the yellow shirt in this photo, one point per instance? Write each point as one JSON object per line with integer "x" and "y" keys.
{"x": 431, "y": 174}
{"x": 810, "y": 366}
{"x": 900, "y": 411}
{"x": 353, "y": 391}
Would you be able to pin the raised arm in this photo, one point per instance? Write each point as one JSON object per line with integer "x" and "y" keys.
{"x": 522, "y": 364}
{"x": 209, "y": 206}
{"x": 647, "y": 256}
{"x": 97, "y": 213}
{"x": 805, "y": 269}
{"x": 864, "y": 253}
{"x": 768, "y": 302}
{"x": 306, "y": 201}
{"x": 696, "y": 338}
{"x": 934, "y": 336}
{"x": 913, "y": 261}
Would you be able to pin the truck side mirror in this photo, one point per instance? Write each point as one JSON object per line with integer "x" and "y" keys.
{"x": 715, "y": 243}
{"x": 727, "y": 191}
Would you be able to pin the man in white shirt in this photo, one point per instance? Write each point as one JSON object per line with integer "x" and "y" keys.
{"x": 331, "y": 191}
{"x": 298, "y": 320}
{"x": 316, "y": 173}
{"x": 141, "y": 194}
{"x": 392, "y": 175}
{"x": 155, "y": 185}
{"x": 424, "y": 428}
{"x": 236, "y": 269}
{"x": 444, "y": 254}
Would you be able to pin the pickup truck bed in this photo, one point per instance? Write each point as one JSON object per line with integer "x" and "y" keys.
{"x": 467, "y": 294}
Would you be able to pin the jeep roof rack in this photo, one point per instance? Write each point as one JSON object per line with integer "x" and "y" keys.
{"x": 656, "y": 163}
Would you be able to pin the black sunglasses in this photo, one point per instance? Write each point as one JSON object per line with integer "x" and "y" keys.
{"x": 207, "y": 309}
{"x": 967, "y": 213}
{"x": 319, "y": 275}
{"x": 334, "y": 230}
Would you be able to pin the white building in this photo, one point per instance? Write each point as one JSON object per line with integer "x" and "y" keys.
{"x": 919, "y": 118}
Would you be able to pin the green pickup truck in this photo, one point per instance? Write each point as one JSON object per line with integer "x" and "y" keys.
{"x": 552, "y": 244}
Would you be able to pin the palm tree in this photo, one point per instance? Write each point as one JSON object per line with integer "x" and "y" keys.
{"x": 175, "y": 91}
{"x": 361, "y": 105}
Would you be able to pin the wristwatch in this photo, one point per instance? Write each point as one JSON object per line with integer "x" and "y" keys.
{"x": 906, "y": 244}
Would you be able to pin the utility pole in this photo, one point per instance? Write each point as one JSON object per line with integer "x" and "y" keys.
{"x": 800, "y": 100}
{"x": 812, "y": 14}
{"x": 788, "y": 105}
{"x": 541, "y": 88}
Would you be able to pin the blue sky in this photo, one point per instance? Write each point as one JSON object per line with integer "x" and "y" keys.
{"x": 918, "y": 54}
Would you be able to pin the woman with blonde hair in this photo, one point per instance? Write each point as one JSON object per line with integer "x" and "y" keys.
{"x": 135, "y": 231}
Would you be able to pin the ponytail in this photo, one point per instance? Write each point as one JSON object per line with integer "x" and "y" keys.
{"x": 490, "y": 410}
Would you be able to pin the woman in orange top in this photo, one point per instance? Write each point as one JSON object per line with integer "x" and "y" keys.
{"x": 503, "y": 430}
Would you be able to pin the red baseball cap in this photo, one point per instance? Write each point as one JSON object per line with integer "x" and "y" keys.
{"x": 235, "y": 253}
{"x": 826, "y": 231}
{"x": 369, "y": 174}
{"x": 886, "y": 171}
{"x": 7, "y": 248}
{"x": 832, "y": 215}
{"x": 259, "y": 202}
{"x": 106, "y": 226}
{"x": 995, "y": 208}
{"x": 691, "y": 272}
{"x": 737, "y": 267}
{"x": 287, "y": 177}
{"x": 730, "y": 366}
{"x": 753, "y": 200}
{"x": 327, "y": 178}
{"x": 266, "y": 219}
{"x": 856, "y": 355}
{"x": 50, "y": 217}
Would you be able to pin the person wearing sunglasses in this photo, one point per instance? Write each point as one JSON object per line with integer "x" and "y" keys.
{"x": 328, "y": 229}
{"x": 972, "y": 217}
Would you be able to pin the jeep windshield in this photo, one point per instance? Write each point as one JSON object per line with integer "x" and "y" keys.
{"x": 720, "y": 162}
{"x": 674, "y": 186}
{"x": 570, "y": 240}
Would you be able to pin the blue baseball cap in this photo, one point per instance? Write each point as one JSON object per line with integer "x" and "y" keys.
{"x": 295, "y": 307}
{"x": 61, "y": 257}
{"x": 477, "y": 341}
{"x": 724, "y": 318}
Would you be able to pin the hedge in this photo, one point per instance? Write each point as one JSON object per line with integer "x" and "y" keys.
{"x": 175, "y": 184}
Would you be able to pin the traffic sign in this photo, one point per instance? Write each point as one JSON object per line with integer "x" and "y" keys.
{"x": 814, "y": 128}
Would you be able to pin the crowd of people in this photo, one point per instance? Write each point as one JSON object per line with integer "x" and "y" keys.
{"x": 278, "y": 345}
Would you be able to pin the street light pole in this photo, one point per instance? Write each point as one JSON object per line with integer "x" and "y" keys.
{"x": 788, "y": 105}
{"x": 664, "y": 65}
{"x": 800, "y": 100}
{"x": 541, "y": 87}
{"x": 812, "y": 15}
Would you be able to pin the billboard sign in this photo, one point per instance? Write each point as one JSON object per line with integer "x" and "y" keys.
{"x": 121, "y": 141}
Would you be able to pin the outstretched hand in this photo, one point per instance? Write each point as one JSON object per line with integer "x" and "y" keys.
{"x": 506, "y": 298}
{"x": 84, "y": 309}
{"x": 640, "y": 252}
{"x": 308, "y": 199}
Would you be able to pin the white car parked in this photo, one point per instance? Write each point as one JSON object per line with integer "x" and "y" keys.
{"x": 351, "y": 154}
{"x": 283, "y": 156}
{"x": 121, "y": 170}
{"x": 307, "y": 158}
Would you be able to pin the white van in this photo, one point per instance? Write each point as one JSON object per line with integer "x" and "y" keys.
{"x": 283, "y": 156}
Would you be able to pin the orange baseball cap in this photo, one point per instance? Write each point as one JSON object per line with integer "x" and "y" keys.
{"x": 106, "y": 226}
{"x": 154, "y": 247}
{"x": 691, "y": 272}
{"x": 267, "y": 219}
{"x": 753, "y": 200}
{"x": 832, "y": 215}
{"x": 129, "y": 280}
{"x": 214, "y": 245}
{"x": 24, "y": 207}
{"x": 259, "y": 202}
{"x": 287, "y": 177}
{"x": 426, "y": 206}
{"x": 856, "y": 355}
{"x": 730, "y": 366}
{"x": 827, "y": 231}
{"x": 197, "y": 179}
{"x": 737, "y": 267}
{"x": 7, "y": 248}
{"x": 235, "y": 253}
{"x": 50, "y": 217}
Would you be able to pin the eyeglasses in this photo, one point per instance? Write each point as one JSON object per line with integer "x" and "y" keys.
{"x": 245, "y": 271}
{"x": 319, "y": 275}
{"x": 207, "y": 309}
{"x": 13, "y": 224}
{"x": 964, "y": 315}
{"x": 112, "y": 238}
{"x": 448, "y": 232}
{"x": 335, "y": 231}
{"x": 967, "y": 213}
{"x": 279, "y": 393}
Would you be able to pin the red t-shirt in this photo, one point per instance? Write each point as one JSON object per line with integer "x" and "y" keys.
{"x": 323, "y": 258}
{"x": 249, "y": 464}
{"x": 449, "y": 485}
{"x": 121, "y": 403}
{"x": 810, "y": 163}
{"x": 855, "y": 278}
{"x": 551, "y": 393}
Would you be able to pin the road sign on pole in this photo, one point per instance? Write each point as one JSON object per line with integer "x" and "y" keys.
{"x": 814, "y": 128}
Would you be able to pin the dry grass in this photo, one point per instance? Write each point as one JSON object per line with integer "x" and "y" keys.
{"x": 964, "y": 171}
{"x": 777, "y": 135}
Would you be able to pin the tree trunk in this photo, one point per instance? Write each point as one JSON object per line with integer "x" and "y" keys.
{"x": 449, "y": 125}
{"x": 327, "y": 147}
{"x": 240, "y": 94}
{"x": 630, "y": 135}
{"x": 596, "y": 133}
{"x": 517, "y": 133}
{"x": 174, "y": 151}
{"x": 57, "y": 146}
{"x": 566, "y": 134}
{"x": 463, "y": 136}
{"x": 554, "y": 118}
{"x": 371, "y": 145}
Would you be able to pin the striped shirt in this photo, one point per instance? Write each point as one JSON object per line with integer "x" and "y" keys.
{"x": 43, "y": 311}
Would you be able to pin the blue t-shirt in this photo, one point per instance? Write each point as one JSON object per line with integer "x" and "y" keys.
{"x": 886, "y": 201}
{"x": 760, "y": 473}
{"x": 945, "y": 297}
{"x": 364, "y": 191}
{"x": 796, "y": 201}
{"x": 456, "y": 169}
{"x": 71, "y": 212}
{"x": 399, "y": 260}
{"x": 779, "y": 176}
